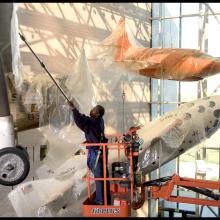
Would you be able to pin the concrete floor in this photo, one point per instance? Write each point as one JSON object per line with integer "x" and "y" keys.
{"x": 6, "y": 209}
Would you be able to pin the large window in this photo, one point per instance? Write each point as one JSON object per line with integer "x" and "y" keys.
{"x": 190, "y": 33}
{"x": 213, "y": 35}
{"x": 193, "y": 26}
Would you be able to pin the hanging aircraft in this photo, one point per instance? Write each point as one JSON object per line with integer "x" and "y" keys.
{"x": 160, "y": 63}
{"x": 177, "y": 131}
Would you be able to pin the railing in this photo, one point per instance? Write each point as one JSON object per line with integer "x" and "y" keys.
{"x": 109, "y": 146}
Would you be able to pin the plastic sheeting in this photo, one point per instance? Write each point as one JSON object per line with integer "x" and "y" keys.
{"x": 177, "y": 131}
{"x": 56, "y": 122}
{"x": 15, "y": 51}
{"x": 30, "y": 198}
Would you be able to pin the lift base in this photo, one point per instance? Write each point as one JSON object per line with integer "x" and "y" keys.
{"x": 89, "y": 210}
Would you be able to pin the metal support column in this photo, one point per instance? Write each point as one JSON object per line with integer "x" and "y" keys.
{"x": 4, "y": 105}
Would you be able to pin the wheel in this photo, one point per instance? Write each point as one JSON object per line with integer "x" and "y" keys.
{"x": 24, "y": 151}
{"x": 14, "y": 166}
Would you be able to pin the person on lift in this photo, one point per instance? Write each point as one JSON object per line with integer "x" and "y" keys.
{"x": 93, "y": 128}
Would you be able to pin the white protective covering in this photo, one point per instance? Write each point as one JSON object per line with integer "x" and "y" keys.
{"x": 7, "y": 136}
{"x": 28, "y": 199}
{"x": 15, "y": 51}
{"x": 177, "y": 131}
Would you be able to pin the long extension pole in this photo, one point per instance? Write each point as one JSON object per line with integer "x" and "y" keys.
{"x": 44, "y": 67}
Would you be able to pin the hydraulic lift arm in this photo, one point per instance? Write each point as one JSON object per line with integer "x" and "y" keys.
{"x": 161, "y": 190}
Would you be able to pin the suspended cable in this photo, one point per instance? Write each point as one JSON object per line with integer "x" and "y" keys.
{"x": 216, "y": 89}
{"x": 123, "y": 82}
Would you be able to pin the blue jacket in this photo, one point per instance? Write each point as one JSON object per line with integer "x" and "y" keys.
{"x": 92, "y": 127}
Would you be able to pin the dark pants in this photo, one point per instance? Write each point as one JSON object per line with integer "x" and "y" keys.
{"x": 98, "y": 173}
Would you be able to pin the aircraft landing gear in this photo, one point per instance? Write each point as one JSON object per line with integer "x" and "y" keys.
{"x": 14, "y": 165}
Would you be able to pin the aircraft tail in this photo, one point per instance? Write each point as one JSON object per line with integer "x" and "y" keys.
{"x": 123, "y": 42}
{"x": 120, "y": 39}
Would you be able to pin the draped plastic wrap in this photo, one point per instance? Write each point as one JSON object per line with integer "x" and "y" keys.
{"x": 30, "y": 198}
{"x": 56, "y": 122}
{"x": 15, "y": 51}
{"x": 177, "y": 131}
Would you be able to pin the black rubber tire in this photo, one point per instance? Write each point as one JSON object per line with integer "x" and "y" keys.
{"x": 23, "y": 155}
{"x": 24, "y": 150}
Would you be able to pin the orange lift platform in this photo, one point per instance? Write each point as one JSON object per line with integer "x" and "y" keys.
{"x": 121, "y": 206}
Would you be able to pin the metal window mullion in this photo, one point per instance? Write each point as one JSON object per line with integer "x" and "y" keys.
{"x": 160, "y": 44}
{"x": 205, "y": 47}
{"x": 151, "y": 43}
{"x": 200, "y": 46}
{"x": 179, "y": 95}
{"x": 183, "y": 16}
{"x": 159, "y": 91}
{"x": 219, "y": 175}
{"x": 212, "y": 12}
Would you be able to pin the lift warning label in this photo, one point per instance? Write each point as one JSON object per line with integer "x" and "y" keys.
{"x": 105, "y": 210}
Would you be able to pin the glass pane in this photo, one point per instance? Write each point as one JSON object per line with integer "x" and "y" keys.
{"x": 167, "y": 107}
{"x": 190, "y": 32}
{"x": 212, "y": 164}
{"x": 154, "y": 111}
{"x": 190, "y": 8}
{"x": 212, "y": 83}
{"x": 155, "y": 33}
{"x": 170, "y": 32}
{"x": 168, "y": 169}
{"x": 170, "y": 9}
{"x": 154, "y": 88}
{"x": 188, "y": 91}
{"x": 213, "y": 35}
{"x": 185, "y": 206}
{"x": 187, "y": 165}
{"x": 215, "y": 7}
{"x": 214, "y": 140}
{"x": 169, "y": 91}
{"x": 155, "y": 9}
{"x": 187, "y": 168}
{"x": 207, "y": 213}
